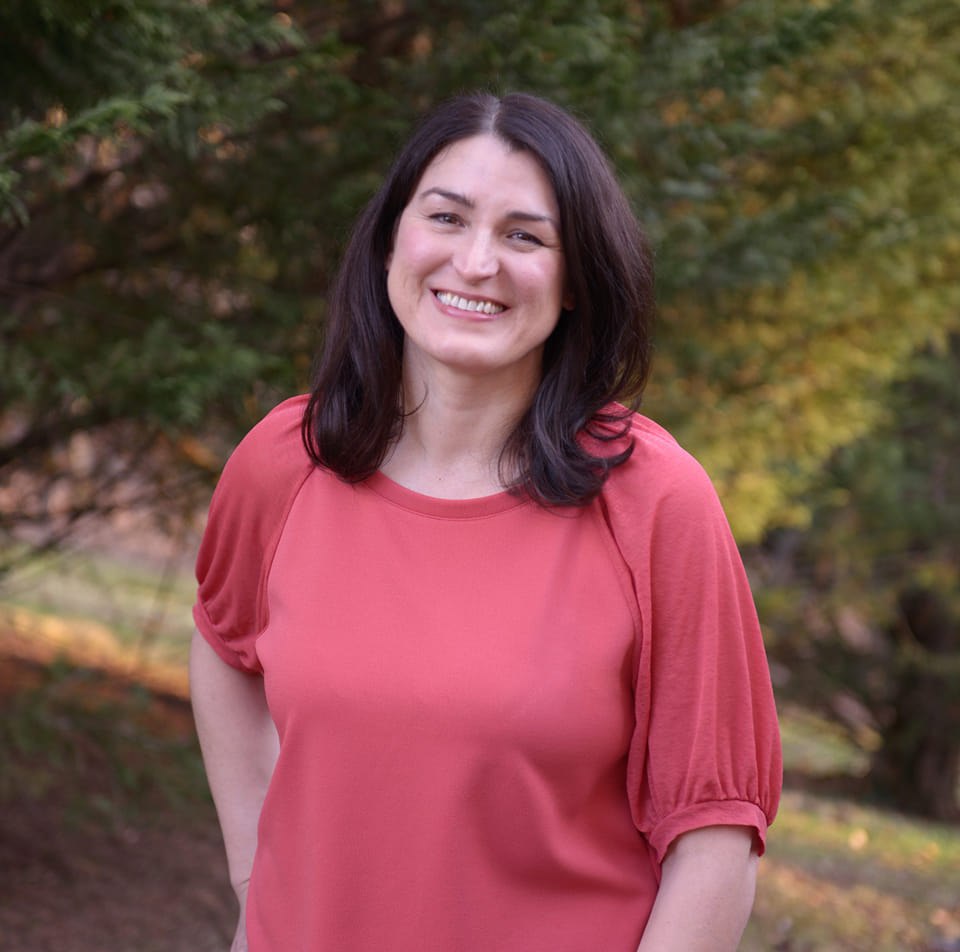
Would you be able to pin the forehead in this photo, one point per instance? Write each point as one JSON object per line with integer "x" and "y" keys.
{"x": 485, "y": 167}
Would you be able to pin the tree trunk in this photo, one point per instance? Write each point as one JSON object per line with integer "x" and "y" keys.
{"x": 918, "y": 766}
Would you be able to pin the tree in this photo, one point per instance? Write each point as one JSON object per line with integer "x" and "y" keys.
{"x": 178, "y": 179}
{"x": 112, "y": 120}
{"x": 879, "y": 580}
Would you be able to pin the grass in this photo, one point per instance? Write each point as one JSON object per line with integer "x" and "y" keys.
{"x": 98, "y": 718}
{"x": 846, "y": 875}
{"x": 143, "y": 609}
{"x": 815, "y": 746}
{"x": 843, "y": 876}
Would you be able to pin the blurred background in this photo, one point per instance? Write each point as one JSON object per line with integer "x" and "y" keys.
{"x": 177, "y": 178}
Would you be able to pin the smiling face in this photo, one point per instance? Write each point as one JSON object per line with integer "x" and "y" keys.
{"x": 476, "y": 272}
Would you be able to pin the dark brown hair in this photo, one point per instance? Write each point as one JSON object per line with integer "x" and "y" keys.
{"x": 599, "y": 351}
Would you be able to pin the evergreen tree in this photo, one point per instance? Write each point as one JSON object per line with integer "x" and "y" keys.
{"x": 177, "y": 180}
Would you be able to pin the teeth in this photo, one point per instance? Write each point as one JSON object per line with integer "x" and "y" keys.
{"x": 467, "y": 304}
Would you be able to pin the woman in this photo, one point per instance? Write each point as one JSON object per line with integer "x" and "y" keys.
{"x": 477, "y": 665}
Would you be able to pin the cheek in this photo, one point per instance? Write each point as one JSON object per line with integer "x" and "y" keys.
{"x": 407, "y": 260}
{"x": 548, "y": 284}
{"x": 405, "y": 272}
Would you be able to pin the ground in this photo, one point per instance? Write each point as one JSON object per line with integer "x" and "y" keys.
{"x": 144, "y": 888}
{"x": 98, "y": 861}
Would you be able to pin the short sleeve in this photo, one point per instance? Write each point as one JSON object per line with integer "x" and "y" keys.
{"x": 706, "y": 746}
{"x": 247, "y": 513}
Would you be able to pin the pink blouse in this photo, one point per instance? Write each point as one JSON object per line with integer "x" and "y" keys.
{"x": 494, "y": 718}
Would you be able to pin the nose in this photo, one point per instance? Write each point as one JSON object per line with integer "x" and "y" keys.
{"x": 476, "y": 256}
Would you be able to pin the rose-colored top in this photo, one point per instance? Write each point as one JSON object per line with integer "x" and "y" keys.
{"x": 494, "y": 718}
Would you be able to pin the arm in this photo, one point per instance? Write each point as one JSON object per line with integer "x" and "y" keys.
{"x": 706, "y": 892}
{"x": 239, "y": 745}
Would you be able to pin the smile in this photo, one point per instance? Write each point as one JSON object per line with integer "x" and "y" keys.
{"x": 468, "y": 304}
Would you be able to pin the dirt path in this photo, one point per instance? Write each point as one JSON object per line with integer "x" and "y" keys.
{"x": 142, "y": 890}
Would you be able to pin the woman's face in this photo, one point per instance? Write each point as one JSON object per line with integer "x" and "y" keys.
{"x": 476, "y": 272}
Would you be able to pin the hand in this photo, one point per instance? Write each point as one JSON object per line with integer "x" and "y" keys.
{"x": 239, "y": 943}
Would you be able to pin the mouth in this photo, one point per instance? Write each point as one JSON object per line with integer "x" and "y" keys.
{"x": 475, "y": 305}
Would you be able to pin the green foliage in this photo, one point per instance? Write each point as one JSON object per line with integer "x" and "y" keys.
{"x": 869, "y": 606}
{"x": 815, "y": 260}
{"x": 177, "y": 181}
{"x": 887, "y": 508}
{"x": 156, "y": 71}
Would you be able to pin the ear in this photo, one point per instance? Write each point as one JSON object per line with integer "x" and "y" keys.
{"x": 568, "y": 302}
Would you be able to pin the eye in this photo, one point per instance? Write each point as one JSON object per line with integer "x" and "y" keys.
{"x": 446, "y": 218}
{"x": 525, "y": 237}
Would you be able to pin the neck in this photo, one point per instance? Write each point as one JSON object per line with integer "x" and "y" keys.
{"x": 456, "y": 429}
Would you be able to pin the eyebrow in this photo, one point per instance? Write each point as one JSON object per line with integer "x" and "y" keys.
{"x": 466, "y": 202}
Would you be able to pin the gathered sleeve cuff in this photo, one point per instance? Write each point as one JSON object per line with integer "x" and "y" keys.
{"x": 716, "y": 813}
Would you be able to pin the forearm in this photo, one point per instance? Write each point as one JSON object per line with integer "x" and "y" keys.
{"x": 239, "y": 745}
{"x": 706, "y": 892}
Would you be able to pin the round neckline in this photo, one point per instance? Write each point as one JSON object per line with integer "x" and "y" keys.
{"x": 437, "y": 506}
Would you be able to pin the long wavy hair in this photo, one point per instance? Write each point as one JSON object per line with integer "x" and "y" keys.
{"x": 598, "y": 353}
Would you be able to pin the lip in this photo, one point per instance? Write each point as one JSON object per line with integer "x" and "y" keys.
{"x": 465, "y": 314}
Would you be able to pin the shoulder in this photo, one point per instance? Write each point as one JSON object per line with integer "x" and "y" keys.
{"x": 262, "y": 475}
{"x": 272, "y": 453}
{"x": 660, "y": 503}
{"x": 659, "y": 472}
